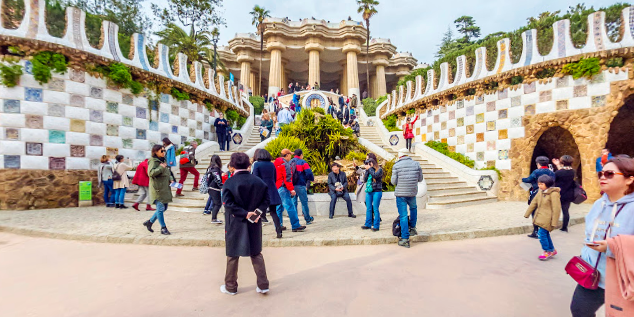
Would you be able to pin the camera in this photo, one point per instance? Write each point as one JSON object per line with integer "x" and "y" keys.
{"x": 366, "y": 162}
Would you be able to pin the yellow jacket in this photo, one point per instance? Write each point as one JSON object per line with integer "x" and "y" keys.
{"x": 547, "y": 207}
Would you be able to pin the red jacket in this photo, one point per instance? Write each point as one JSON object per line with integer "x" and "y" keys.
{"x": 283, "y": 174}
{"x": 141, "y": 177}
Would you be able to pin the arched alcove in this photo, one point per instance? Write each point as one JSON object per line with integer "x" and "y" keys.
{"x": 622, "y": 130}
{"x": 554, "y": 143}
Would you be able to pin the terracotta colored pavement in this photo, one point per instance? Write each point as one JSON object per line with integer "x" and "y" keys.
{"x": 498, "y": 276}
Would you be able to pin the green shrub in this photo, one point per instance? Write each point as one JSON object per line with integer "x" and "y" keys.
{"x": 387, "y": 172}
{"x": 471, "y": 91}
{"x": 241, "y": 122}
{"x": 516, "y": 80}
{"x": 493, "y": 169}
{"x": 586, "y": 67}
{"x": 232, "y": 116}
{"x": 545, "y": 73}
{"x": 179, "y": 95}
{"x": 258, "y": 104}
{"x": 118, "y": 74}
{"x": 615, "y": 62}
{"x": 210, "y": 106}
{"x": 443, "y": 148}
{"x": 46, "y": 62}
{"x": 369, "y": 106}
{"x": 10, "y": 74}
{"x": 390, "y": 123}
{"x": 292, "y": 143}
{"x": 320, "y": 111}
{"x": 358, "y": 156}
{"x": 380, "y": 101}
{"x": 412, "y": 111}
{"x": 492, "y": 85}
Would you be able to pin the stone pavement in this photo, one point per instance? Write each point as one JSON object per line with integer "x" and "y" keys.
{"x": 101, "y": 224}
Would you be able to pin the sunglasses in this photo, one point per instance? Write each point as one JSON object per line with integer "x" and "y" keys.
{"x": 161, "y": 151}
{"x": 608, "y": 174}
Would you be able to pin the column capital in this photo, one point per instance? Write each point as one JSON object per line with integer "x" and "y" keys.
{"x": 270, "y": 46}
{"x": 351, "y": 48}
{"x": 314, "y": 47}
{"x": 381, "y": 62}
{"x": 244, "y": 57}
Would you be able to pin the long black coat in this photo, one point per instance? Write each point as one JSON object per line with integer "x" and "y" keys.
{"x": 241, "y": 194}
{"x": 267, "y": 172}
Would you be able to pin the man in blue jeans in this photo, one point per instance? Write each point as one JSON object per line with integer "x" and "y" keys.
{"x": 287, "y": 191}
{"x": 302, "y": 175}
{"x": 406, "y": 174}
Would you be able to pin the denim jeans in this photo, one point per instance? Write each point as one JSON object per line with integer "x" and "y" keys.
{"x": 545, "y": 240}
{"x": 287, "y": 203}
{"x": 108, "y": 192}
{"x": 372, "y": 202}
{"x": 221, "y": 140}
{"x": 401, "y": 205}
{"x": 333, "y": 203}
{"x": 119, "y": 195}
{"x": 158, "y": 214}
{"x": 302, "y": 194}
{"x": 144, "y": 193}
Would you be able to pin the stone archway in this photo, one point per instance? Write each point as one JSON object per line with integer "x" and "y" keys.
{"x": 622, "y": 130}
{"x": 556, "y": 142}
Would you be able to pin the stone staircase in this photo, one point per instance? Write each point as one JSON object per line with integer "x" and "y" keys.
{"x": 194, "y": 201}
{"x": 444, "y": 190}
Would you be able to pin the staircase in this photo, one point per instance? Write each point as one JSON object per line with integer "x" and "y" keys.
{"x": 444, "y": 190}
{"x": 194, "y": 201}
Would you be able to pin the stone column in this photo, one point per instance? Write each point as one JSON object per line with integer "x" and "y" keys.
{"x": 344, "y": 80}
{"x": 351, "y": 50}
{"x": 313, "y": 47}
{"x": 380, "y": 64}
{"x": 245, "y": 73}
{"x": 253, "y": 84}
{"x": 275, "y": 74}
{"x": 373, "y": 87}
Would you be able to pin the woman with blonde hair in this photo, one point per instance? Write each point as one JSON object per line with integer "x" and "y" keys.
{"x": 104, "y": 177}
{"x": 266, "y": 127}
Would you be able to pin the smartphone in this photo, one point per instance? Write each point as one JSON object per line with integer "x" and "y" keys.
{"x": 591, "y": 244}
{"x": 255, "y": 217}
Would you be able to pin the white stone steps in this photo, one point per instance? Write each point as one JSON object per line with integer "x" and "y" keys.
{"x": 460, "y": 203}
{"x": 450, "y": 190}
{"x": 473, "y": 194}
{"x": 443, "y": 186}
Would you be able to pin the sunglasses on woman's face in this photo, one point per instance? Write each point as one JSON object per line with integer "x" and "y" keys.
{"x": 608, "y": 174}
{"x": 161, "y": 151}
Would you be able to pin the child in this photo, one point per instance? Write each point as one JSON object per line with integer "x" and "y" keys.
{"x": 547, "y": 207}
{"x": 542, "y": 169}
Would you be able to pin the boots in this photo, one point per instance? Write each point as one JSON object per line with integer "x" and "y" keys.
{"x": 148, "y": 225}
{"x": 165, "y": 231}
{"x": 148, "y": 207}
{"x": 136, "y": 206}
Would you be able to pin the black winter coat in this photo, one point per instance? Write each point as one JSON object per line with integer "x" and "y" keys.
{"x": 241, "y": 194}
{"x": 334, "y": 178}
{"x": 377, "y": 179}
{"x": 214, "y": 179}
{"x": 266, "y": 172}
{"x": 565, "y": 180}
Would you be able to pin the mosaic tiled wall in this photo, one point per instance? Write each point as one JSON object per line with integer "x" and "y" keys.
{"x": 75, "y": 118}
{"x": 482, "y": 128}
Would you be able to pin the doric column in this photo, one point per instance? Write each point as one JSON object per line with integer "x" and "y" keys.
{"x": 373, "y": 87}
{"x": 351, "y": 50}
{"x": 313, "y": 47}
{"x": 252, "y": 84}
{"x": 344, "y": 80}
{"x": 245, "y": 72}
{"x": 275, "y": 74}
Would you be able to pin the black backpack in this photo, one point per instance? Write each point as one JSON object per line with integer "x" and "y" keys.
{"x": 294, "y": 174}
{"x": 396, "y": 227}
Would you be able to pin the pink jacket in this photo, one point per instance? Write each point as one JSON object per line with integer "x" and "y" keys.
{"x": 619, "y": 278}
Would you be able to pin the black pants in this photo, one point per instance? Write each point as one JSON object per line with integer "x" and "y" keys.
{"x": 216, "y": 203}
{"x": 228, "y": 141}
{"x": 333, "y": 203}
{"x": 565, "y": 207}
{"x": 408, "y": 144}
{"x": 586, "y": 302}
{"x": 231, "y": 275}
{"x": 221, "y": 140}
{"x": 276, "y": 218}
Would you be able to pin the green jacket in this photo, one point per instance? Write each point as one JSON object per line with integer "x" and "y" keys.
{"x": 159, "y": 181}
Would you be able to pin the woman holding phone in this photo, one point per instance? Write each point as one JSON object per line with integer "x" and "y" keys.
{"x": 616, "y": 210}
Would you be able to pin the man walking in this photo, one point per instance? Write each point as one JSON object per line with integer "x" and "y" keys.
{"x": 406, "y": 174}
{"x": 221, "y": 130}
{"x": 284, "y": 117}
{"x": 302, "y": 176}
{"x": 243, "y": 195}
{"x": 189, "y": 167}
{"x": 287, "y": 191}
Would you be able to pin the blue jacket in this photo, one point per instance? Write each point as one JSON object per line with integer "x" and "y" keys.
{"x": 304, "y": 172}
{"x": 601, "y": 214}
{"x": 170, "y": 155}
{"x": 267, "y": 172}
{"x": 599, "y": 166}
{"x": 536, "y": 174}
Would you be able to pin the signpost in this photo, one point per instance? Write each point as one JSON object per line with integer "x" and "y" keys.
{"x": 85, "y": 194}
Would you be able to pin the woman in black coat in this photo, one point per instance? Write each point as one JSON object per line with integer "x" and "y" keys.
{"x": 565, "y": 180}
{"x": 265, "y": 170}
{"x": 242, "y": 195}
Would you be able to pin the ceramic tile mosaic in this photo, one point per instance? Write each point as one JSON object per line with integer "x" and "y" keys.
{"x": 516, "y": 122}
{"x": 423, "y": 137}
{"x": 503, "y": 134}
{"x": 545, "y": 96}
{"x": 165, "y": 98}
{"x": 164, "y": 117}
{"x": 77, "y": 151}
{"x": 35, "y": 149}
{"x": 77, "y": 75}
{"x": 580, "y": 91}
{"x": 112, "y": 130}
{"x": 516, "y": 101}
{"x": 140, "y": 134}
{"x": 112, "y": 151}
{"x": 470, "y": 147}
{"x": 33, "y": 94}
{"x": 96, "y": 140}
{"x": 530, "y": 88}
{"x": 429, "y": 128}
{"x": 562, "y": 82}
{"x": 443, "y": 109}
{"x": 77, "y": 125}
{"x": 184, "y": 122}
{"x": 480, "y": 156}
{"x": 175, "y": 110}
{"x": 502, "y": 114}
{"x": 206, "y": 120}
{"x": 491, "y": 106}
{"x": 503, "y": 94}
{"x": 451, "y": 148}
{"x": 127, "y": 99}
{"x": 12, "y": 161}
{"x": 57, "y": 163}
{"x": 562, "y": 104}
{"x": 112, "y": 107}
{"x": 28, "y": 67}
{"x": 460, "y": 104}
{"x": 470, "y": 111}
{"x": 470, "y": 129}
{"x": 480, "y": 138}
{"x": 34, "y": 121}
{"x": 154, "y": 125}
{"x": 206, "y": 135}
{"x": 460, "y": 139}
{"x": 56, "y": 136}
{"x": 452, "y": 115}
{"x": 127, "y": 143}
{"x": 154, "y": 104}
{"x": 141, "y": 113}
{"x": 490, "y": 125}
{"x": 184, "y": 104}
{"x": 94, "y": 164}
{"x": 423, "y": 121}
{"x": 479, "y": 99}
{"x": 598, "y": 78}
{"x": 56, "y": 110}
{"x": 598, "y": 101}
{"x": 199, "y": 108}
{"x": 96, "y": 116}
{"x": 491, "y": 145}
{"x": 174, "y": 129}
{"x": 57, "y": 84}
{"x": 460, "y": 122}
{"x": 77, "y": 100}
{"x": 127, "y": 121}
{"x": 452, "y": 132}
{"x": 96, "y": 92}
{"x": 192, "y": 115}
{"x": 490, "y": 163}
{"x": 11, "y": 106}
{"x": 480, "y": 118}
{"x": 436, "y": 119}
{"x": 192, "y": 132}
{"x": 443, "y": 126}
{"x": 12, "y": 134}
{"x": 529, "y": 109}
{"x": 436, "y": 135}
{"x": 429, "y": 113}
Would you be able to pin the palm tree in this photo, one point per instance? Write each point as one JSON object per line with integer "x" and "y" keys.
{"x": 259, "y": 14}
{"x": 194, "y": 45}
{"x": 367, "y": 10}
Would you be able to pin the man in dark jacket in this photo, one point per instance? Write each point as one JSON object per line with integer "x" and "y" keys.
{"x": 338, "y": 187}
{"x": 406, "y": 174}
{"x": 220, "y": 124}
{"x": 302, "y": 176}
{"x": 542, "y": 169}
{"x": 356, "y": 129}
{"x": 242, "y": 195}
{"x": 189, "y": 167}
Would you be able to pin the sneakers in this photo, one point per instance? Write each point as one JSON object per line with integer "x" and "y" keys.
{"x": 352, "y": 216}
{"x": 300, "y": 229}
{"x": 149, "y": 208}
{"x": 165, "y": 231}
{"x": 547, "y": 255}
{"x": 283, "y": 228}
{"x": 223, "y": 289}
{"x": 216, "y": 221}
{"x": 206, "y": 213}
{"x": 148, "y": 225}
{"x": 413, "y": 232}
{"x": 375, "y": 229}
{"x": 533, "y": 235}
{"x": 261, "y": 291}
{"x": 403, "y": 243}
{"x": 552, "y": 254}
{"x": 310, "y": 221}
{"x": 365, "y": 227}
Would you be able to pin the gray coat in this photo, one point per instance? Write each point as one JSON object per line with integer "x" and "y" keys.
{"x": 406, "y": 174}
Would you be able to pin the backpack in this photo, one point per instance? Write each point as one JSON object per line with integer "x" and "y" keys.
{"x": 115, "y": 175}
{"x": 204, "y": 183}
{"x": 396, "y": 227}
{"x": 368, "y": 184}
{"x": 580, "y": 194}
{"x": 294, "y": 175}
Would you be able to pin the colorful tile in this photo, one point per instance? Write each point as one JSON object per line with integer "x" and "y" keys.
{"x": 480, "y": 156}
{"x": 562, "y": 104}
{"x": 598, "y": 101}
{"x": 503, "y": 134}
{"x": 491, "y": 145}
{"x": 460, "y": 122}
{"x": 77, "y": 101}
{"x": 206, "y": 136}
{"x": 443, "y": 109}
{"x": 545, "y": 96}
{"x": 470, "y": 129}
{"x": 490, "y": 163}
{"x": 503, "y": 154}
{"x": 112, "y": 130}
{"x": 491, "y": 106}
{"x": 34, "y": 121}
{"x": 530, "y": 88}
{"x": 490, "y": 125}
{"x": 140, "y": 134}
{"x": 192, "y": 115}
{"x": 78, "y": 76}
{"x": 11, "y": 106}
{"x": 56, "y": 110}
{"x": 452, "y": 115}
{"x": 480, "y": 118}
{"x": 562, "y": 82}
{"x": 503, "y": 94}
{"x": 436, "y": 135}
{"x": 28, "y": 67}
{"x": 77, "y": 151}
{"x": 470, "y": 147}
{"x": 57, "y": 84}
{"x": 516, "y": 101}
{"x": 96, "y": 92}
{"x": 443, "y": 140}
{"x": 451, "y": 148}
{"x": 598, "y": 78}
{"x": 516, "y": 122}
{"x": 165, "y": 98}
{"x": 529, "y": 110}
{"x": 57, "y": 163}
{"x": 206, "y": 119}
{"x": 127, "y": 143}
{"x": 580, "y": 91}
{"x": 127, "y": 99}
{"x": 479, "y": 99}
{"x": 470, "y": 110}
{"x": 56, "y": 136}
{"x": 452, "y": 132}
{"x": 430, "y": 128}
{"x": 12, "y": 134}
{"x": 33, "y": 94}
{"x": 165, "y": 117}
{"x": 436, "y": 119}
{"x": 429, "y": 113}
{"x": 96, "y": 140}
{"x": 127, "y": 121}
{"x": 12, "y": 161}
{"x": 480, "y": 137}
{"x": 141, "y": 113}
{"x": 199, "y": 108}
{"x": 112, "y": 107}
{"x": 502, "y": 114}
{"x": 184, "y": 104}
{"x": 460, "y": 104}
{"x": 175, "y": 110}
{"x": 96, "y": 116}
{"x": 154, "y": 125}
{"x": 423, "y": 121}
{"x": 77, "y": 125}
{"x": 443, "y": 126}
{"x": 460, "y": 139}
{"x": 35, "y": 149}
{"x": 154, "y": 104}
{"x": 183, "y": 122}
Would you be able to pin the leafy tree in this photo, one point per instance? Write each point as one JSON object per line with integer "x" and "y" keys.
{"x": 543, "y": 24}
{"x": 259, "y": 14}
{"x": 196, "y": 14}
{"x": 467, "y": 27}
{"x": 446, "y": 44}
{"x": 367, "y": 8}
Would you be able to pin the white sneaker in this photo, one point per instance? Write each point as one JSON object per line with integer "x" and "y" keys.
{"x": 261, "y": 291}
{"x": 223, "y": 289}
{"x": 217, "y": 221}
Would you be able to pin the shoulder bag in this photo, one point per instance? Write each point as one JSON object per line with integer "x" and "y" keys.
{"x": 115, "y": 175}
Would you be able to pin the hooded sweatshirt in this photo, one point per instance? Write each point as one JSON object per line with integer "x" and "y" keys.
{"x": 601, "y": 215}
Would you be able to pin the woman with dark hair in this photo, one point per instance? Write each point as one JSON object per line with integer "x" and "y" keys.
{"x": 160, "y": 192}
{"x": 170, "y": 152}
{"x": 565, "y": 180}
{"x": 266, "y": 171}
{"x": 408, "y": 132}
{"x": 104, "y": 176}
{"x": 610, "y": 216}
{"x": 214, "y": 187}
{"x": 120, "y": 186}
{"x": 373, "y": 180}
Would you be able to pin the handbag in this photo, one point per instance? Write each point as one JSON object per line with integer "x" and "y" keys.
{"x": 368, "y": 184}
{"x": 115, "y": 175}
{"x": 265, "y": 133}
{"x": 580, "y": 194}
{"x": 581, "y": 271}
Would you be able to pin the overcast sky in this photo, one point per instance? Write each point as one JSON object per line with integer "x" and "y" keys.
{"x": 414, "y": 26}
